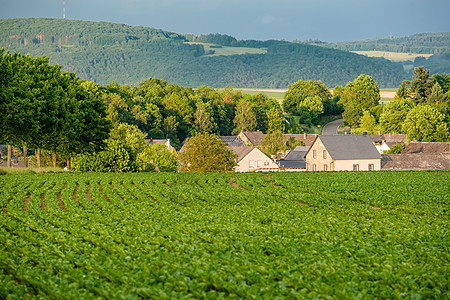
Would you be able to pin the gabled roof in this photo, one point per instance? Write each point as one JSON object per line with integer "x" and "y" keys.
{"x": 389, "y": 138}
{"x": 232, "y": 140}
{"x": 254, "y": 137}
{"x": 424, "y": 147}
{"x": 349, "y": 146}
{"x": 415, "y": 162}
{"x": 241, "y": 151}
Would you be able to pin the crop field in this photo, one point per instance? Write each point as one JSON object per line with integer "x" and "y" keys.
{"x": 393, "y": 56}
{"x": 158, "y": 236}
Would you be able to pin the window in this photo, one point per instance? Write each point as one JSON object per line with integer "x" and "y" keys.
{"x": 314, "y": 167}
{"x": 314, "y": 154}
{"x": 325, "y": 167}
{"x": 251, "y": 164}
{"x": 259, "y": 163}
{"x": 355, "y": 167}
{"x": 371, "y": 167}
{"x": 324, "y": 153}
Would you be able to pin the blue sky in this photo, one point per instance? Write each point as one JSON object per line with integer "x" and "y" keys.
{"x": 326, "y": 20}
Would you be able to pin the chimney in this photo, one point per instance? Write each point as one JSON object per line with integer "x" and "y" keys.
{"x": 364, "y": 133}
{"x": 305, "y": 135}
{"x": 379, "y": 132}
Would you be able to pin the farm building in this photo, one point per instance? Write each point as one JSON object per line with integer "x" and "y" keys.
{"x": 343, "y": 153}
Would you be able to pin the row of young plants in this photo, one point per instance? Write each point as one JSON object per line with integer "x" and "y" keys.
{"x": 169, "y": 235}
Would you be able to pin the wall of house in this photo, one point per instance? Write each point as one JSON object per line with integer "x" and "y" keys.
{"x": 363, "y": 164}
{"x": 256, "y": 160}
{"x": 319, "y": 161}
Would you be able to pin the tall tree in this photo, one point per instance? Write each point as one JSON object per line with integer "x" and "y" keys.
{"x": 245, "y": 119}
{"x": 421, "y": 84}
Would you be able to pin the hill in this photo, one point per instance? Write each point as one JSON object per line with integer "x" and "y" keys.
{"x": 430, "y": 50}
{"x": 106, "y": 52}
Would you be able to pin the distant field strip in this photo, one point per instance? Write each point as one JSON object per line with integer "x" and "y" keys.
{"x": 393, "y": 56}
{"x": 224, "y": 50}
{"x": 315, "y": 235}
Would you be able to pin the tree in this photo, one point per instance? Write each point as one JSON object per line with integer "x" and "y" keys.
{"x": 159, "y": 155}
{"x": 421, "y": 84}
{"x": 367, "y": 121}
{"x": 205, "y": 152}
{"x": 437, "y": 94}
{"x": 351, "y": 116}
{"x": 202, "y": 119}
{"x": 394, "y": 114}
{"x": 275, "y": 120}
{"x": 396, "y": 149}
{"x": 245, "y": 119}
{"x": 274, "y": 144}
{"x": 299, "y": 91}
{"x": 425, "y": 123}
{"x": 130, "y": 135}
{"x": 360, "y": 95}
{"x": 292, "y": 143}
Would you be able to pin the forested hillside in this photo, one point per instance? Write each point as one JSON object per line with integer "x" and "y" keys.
{"x": 105, "y": 52}
{"x": 437, "y": 44}
{"x": 429, "y": 43}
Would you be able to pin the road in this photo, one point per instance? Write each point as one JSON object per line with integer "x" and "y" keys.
{"x": 332, "y": 127}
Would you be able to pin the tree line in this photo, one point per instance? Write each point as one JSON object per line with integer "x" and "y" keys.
{"x": 98, "y": 51}
{"x": 107, "y": 128}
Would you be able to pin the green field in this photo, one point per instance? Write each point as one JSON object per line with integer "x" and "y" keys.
{"x": 307, "y": 235}
{"x": 225, "y": 50}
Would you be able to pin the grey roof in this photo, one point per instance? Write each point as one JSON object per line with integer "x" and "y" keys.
{"x": 291, "y": 164}
{"x": 296, "y": 155}
{"x": 302, "y": 148}
{"x": 232, "y": 140}
{"x": 350, "y": 146}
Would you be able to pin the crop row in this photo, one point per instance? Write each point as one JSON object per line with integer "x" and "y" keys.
{"x": 383, "y": 235}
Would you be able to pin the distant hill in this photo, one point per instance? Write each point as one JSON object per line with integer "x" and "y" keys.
{"x": 437, "y": 44}
{"x": 106, "y": 52}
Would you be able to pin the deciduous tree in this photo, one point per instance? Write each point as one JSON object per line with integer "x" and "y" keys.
{"x": 205, "y": 152}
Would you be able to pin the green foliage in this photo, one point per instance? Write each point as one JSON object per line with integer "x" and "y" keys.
{"x": 116, "y": 157}
{"x": 425, "y": 123}
{"x": 394, "y": 114}
{"x": 159, "y": 155}
{"x": 420, "y": 86}
{"x": 367, "y": 121}
{"x": 205, "y": 152}
{"x": 245, "y": 119}
{"x": 274, "y": 144}
{"x": 396, "y": 149}
{"x": 99, "y": 51}
{"x": 280, "y": 235}
{"x": 292, "y": 143}
{"x": 130, "y": 135}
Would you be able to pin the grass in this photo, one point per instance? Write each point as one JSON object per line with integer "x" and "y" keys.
{"x": 393, "y": 56}
{"x": 224, "y": 50}
{"x": 31, "y": 170}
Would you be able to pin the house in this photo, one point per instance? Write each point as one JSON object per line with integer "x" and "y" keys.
{"x": 384, "y": 142}
{"x": 252, "y": 138}
{"x": 165, "y": 142}
{"x": 251, "y": 159}
{"x": 294, "y": 160}
{"x": 343, "y": 153}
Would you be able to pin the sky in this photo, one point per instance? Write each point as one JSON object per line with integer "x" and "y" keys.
{"x": 324, "y": 20}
